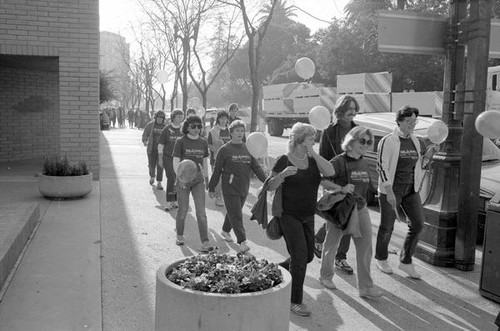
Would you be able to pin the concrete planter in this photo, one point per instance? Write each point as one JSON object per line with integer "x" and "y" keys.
{"x": 182, "y": 309}
{"x": 65, "y": 186}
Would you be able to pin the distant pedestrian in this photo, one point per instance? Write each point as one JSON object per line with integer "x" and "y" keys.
{"x": 218, "y": 136}
{"x": 332, "y": 137}
{"x": 195, "y": 148}
{"x": 299, "y": 174}
{"x": 131, "y": 116}
{"x": 233, "y": 110}
{"x": 400, "y": 164}
{"x": 150, "y": 139}
{"x": 166, "y": 145}
{"x": 352, "y": 176}
{"x": 113, "y": 116}
{"x": 234, "y": 164}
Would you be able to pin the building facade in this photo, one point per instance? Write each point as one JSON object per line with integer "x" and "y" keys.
{"x": 49, "y": 80}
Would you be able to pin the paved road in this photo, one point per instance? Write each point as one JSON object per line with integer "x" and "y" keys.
{"x": 138, "y": 236}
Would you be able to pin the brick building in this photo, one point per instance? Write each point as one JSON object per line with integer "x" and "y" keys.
{"x": 49, "y": 80}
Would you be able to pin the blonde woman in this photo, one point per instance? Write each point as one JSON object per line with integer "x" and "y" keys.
{"x": 299, "y": 173}
{"x": 351, "y": 176}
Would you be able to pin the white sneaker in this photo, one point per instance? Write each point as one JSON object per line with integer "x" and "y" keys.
{"x": 158, "y": 186}
{"x": 384, "y": 266}
{"x": 226, "y": 236}
{"x": 410, "y": 270}
{"x": 180, "y": 240}
{"x": 244, "y": 247}
{"x": 206, "y": 247}
{"x": 151, "y": 181}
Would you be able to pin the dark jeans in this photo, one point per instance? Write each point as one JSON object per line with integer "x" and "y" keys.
{"x": 234, "y": 217}
{"x": 168, "y": 163}
{"x": 299, "y": 238}
{"x": 153, "y": 166}
{"x": 410, "y": 202}
{"x": 345, "y": 242}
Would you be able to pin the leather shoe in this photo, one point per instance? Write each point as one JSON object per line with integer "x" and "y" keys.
{"x": 370, "y": 292}
{"x": 328, "y": 283}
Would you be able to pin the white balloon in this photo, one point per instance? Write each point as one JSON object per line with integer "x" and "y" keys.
{"x": 187, "y": 170}
{"x": 257, "y": 144}
{"x": 488, "y": 124}
{"x": 200, "y": 111}
{"x": 162, "y": 76}
{"x": 319, "y": 117}
{"x": 437, "y": 132}
{"x": 305, "y": 68}
{"x": 195, "y": 102}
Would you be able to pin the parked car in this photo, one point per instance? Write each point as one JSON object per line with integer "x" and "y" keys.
{"x": 383, "y": 123}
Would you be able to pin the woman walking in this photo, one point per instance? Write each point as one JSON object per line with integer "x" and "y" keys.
{"x": 400, "y": 163}
{"x": 299, "y": 173}
{"x": 218, "y": 136}
{"x": 351, "y": 177}
{"x": 195, "y": 148}
{"x": 166, "y": 145}
{"x": 150, "y": 139}
{"x": 346, "y": 108}
{"x": 234, "y": 164}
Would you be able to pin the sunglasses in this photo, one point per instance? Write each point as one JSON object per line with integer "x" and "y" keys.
{"x": 196, "y": 126}
{"x": 363, "y": 141}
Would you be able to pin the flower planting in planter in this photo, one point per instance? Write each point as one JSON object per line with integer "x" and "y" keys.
{"x": 222, "y": 292}
{"x": 60, "y": 179}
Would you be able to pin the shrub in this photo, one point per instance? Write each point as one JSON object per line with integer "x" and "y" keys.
{"x": 222, "y": 273}
{"x": 61, "y": 167}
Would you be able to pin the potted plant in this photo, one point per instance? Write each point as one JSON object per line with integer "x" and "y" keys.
{"x": 60, "y": 179}
{"x": 222, "y": 292}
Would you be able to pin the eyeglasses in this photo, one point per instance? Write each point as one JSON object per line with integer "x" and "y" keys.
{"x": 195, "y": 126}
{"x": 411, "y": 122}
{"x": 363, "y": 141}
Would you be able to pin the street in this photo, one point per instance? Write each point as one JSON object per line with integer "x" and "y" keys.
{"x": 138, "y": 236}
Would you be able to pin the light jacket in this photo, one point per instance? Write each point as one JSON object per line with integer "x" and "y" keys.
{"x": 387, "y": 160}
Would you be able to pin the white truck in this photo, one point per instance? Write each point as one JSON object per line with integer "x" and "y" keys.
{"x": 286, "y": 104}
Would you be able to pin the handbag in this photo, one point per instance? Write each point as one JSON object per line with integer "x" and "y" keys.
{"x": 340, "y": 211}
{"x": 273, "y": 230}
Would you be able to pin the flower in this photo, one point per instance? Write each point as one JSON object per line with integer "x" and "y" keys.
{"x": 61, "y": 167}
{"x": 222, "y": 273}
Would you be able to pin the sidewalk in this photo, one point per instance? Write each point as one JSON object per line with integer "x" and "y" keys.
{"x": 91, "y": 264}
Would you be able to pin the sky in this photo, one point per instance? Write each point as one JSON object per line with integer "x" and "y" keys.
{"x": 117, "y": 15}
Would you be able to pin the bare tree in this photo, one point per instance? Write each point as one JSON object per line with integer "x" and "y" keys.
{"x": 180, "y": 22}
{"x": 255, "y": 34}
{"x": 224, "y": 45}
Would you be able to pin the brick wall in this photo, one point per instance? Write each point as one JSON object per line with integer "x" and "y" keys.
{"x": 29, "y": 125}
{"x": 67, "y": 31}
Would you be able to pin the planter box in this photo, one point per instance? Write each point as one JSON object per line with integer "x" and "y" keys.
{"x": 182, "y": 309}
{"x": 65, "y": 186}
